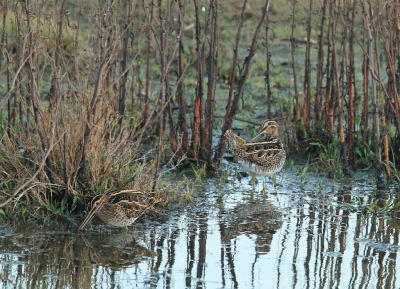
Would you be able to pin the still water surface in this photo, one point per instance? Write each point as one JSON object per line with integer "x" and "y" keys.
{"x": 301, "y": 235}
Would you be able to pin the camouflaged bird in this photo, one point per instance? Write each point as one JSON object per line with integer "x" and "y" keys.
{"x": 119, "y": 207}
{"x": 262, "y": 158}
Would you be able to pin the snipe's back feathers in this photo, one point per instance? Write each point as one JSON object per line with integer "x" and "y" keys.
{"x": 262, "y": 158}
{"x": 119, "y": 207}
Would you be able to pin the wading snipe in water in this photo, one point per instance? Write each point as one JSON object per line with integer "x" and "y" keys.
{"x": 119, "y": 207}
{"x": 262, "y": 158}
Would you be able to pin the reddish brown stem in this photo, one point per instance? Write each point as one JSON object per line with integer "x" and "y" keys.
{"x": 103, "y": 46}
{"x": 350, "y": 84}
{"x": 307, "y": 74}
{"x": 221, "y": 145}
{"x": 147, "y": 84}
{"x": 234, "y": 63}
{"x": 3, "y": 35}
{"x": 292, "y": 50}
{"x": 123, "y": 67}
{"x": 180, "y": 92}
{"x": 206, "y": 152}
{"x": 267, "y": 71}
{"x": 365, "y": 81}
{"x": 198, "y": 102}
{"x": 329, "y": 77}
{"x": 320, "y": 70}
{"x": 240, "y": 88}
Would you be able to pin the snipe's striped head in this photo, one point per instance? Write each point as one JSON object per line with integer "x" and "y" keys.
{"x": 120, "y": 207}
{"x": 269, "y": 128}
{"x": 97, "y": 204}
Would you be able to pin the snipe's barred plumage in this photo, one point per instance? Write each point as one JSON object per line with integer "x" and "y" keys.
{"x": 119, "y": 207}
{"x": 263, "y": 158}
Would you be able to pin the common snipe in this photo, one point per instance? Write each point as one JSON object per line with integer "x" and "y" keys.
{"x": 262, "y": 158}
{"x": 119, "y": 207}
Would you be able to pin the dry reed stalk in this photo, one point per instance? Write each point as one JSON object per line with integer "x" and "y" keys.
{"x": 106, "y": 51}
{"x": 164, "y": 32}
{"x": 126, "y": 30}
{"x": 328, "y": 108}
{"x": 234, "y": 64}
{"x": 228, "y": 125}
{"x": 388, "y": 35}
{"x": 166, "y": 99}
{"x": 198, "y": 107}
{"x": 350, "y": 85}
{"x": 21, "y": 46}
{"x": 164, "y": 96}
{"x": 3, "y": 39}
{"x": 180, "y": 90}
{"x": 320, "y": 69}
{"x": 165, "y": 93}
{"x": 385, "y": 142}
{"x": 206, "y": 152}
{"x": 244, "y": 74}
{"x": 39, "y": 117}
{"x": 292, "y": 50}
{"x": 365, "y": 78}
{"x": 397, "y": 41}
{"x": 149, "y": 17}
{"x": 267, "y": 71}
{"x": 371, "y": 34}
{"x": 338, "y": 80}
{"x": 391, "y": 105}
{"x": 307, "y": 73}
{"x": 30, "y": 180}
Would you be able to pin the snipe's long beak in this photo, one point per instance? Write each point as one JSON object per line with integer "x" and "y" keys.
{"x": 87, "y": 219}
{"x": 260, "y": 132}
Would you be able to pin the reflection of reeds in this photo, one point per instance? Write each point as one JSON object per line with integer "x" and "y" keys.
{"x": 318, "y": 238}
{"x": 70, "y": 261}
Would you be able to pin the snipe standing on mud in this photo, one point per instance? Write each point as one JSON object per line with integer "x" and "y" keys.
{"x": 262, "y": 158}
{"x": 119, "y": 207}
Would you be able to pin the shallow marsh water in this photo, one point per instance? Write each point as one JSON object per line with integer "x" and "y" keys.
{"x": 300, "y": 235}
